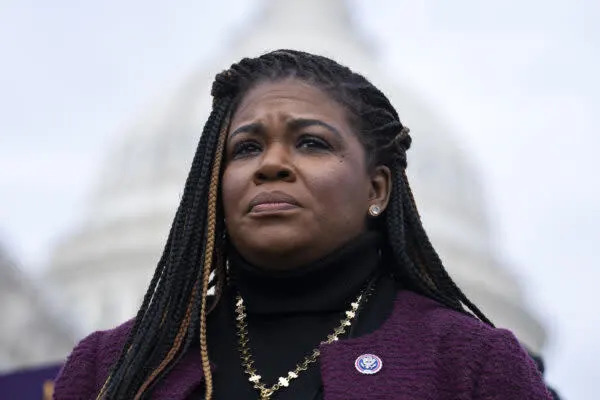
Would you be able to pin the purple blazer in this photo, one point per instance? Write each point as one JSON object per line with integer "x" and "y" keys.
{"x": 427, "y": 350}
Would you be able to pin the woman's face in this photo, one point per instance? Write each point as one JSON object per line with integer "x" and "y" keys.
{"x": 295, "y": 185}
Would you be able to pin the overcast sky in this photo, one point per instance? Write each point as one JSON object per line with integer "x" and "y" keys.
{"x": 516, "y": 79}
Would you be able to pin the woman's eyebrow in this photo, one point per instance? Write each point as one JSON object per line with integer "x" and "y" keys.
{"x": 253, "y": 128}
{"x": 300, "y": 123}
{"x": 257, "y": 128}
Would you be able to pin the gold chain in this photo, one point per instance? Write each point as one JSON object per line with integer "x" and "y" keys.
{"x": 284, "y": 381}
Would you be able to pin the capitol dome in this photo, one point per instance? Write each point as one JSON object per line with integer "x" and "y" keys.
{"x": 104, "y": 266}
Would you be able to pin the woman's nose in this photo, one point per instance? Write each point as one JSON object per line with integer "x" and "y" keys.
{"x": 275, "y": 165}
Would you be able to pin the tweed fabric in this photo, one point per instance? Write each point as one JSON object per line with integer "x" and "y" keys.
{"x": 431, "y": 352}
{"x": 428, "y": 352}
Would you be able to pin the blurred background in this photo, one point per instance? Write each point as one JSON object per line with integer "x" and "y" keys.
{"x": 102, "y": 104}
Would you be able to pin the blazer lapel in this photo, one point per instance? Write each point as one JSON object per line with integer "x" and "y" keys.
{"x": 344, "y": 380}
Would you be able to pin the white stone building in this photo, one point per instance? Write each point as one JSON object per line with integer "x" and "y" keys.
{"x": 33, "y": 330}
{"x": 103, "y": 268}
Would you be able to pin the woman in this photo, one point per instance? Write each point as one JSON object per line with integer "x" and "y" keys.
{"x": 297, "y": 213}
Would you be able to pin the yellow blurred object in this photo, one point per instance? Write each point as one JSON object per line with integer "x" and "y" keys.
{"x": 48, "y": 390}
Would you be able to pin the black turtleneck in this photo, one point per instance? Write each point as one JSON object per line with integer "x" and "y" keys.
{"x": 290, "y": 313}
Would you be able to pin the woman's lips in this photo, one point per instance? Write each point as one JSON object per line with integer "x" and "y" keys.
{"x": 272, "y": 207}
{"x": 272, "y": 202}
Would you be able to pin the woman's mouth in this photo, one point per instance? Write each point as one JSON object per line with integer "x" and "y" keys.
{"x": 272, "y": 207}
{"x": 272, "y": 202}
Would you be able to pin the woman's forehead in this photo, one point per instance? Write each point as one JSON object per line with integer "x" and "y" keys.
{"x": 289, "y": 96}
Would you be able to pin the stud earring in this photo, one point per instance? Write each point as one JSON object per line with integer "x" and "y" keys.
{"x": 374, "y": 210}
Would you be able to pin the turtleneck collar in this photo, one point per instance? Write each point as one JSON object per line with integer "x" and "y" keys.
{"x": 327, "y": 284}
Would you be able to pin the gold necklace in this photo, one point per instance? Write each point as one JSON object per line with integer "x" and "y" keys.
{"x": 284, "y": 381}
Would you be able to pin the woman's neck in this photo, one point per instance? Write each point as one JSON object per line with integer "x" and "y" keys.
{"x": 326, "y": 284}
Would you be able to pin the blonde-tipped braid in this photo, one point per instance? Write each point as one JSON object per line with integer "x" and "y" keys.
{"x": 209, "y": 254}
{"x": 209, "y": 257}
{"x": 169, "y": 318}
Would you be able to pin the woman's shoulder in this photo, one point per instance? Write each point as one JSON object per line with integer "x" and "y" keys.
{"x": 492, "y": 357}
{"x": 88, "y": 364}
{"x": 435, "y": 317}
{"x": 115, "y": 337}
{"x": 105, "y": 345}
{"x": 429, "y": 322}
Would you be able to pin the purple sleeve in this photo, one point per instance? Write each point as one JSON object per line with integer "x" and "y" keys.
{"x": 507, "y": 372}
{"x": 77, "y": 378}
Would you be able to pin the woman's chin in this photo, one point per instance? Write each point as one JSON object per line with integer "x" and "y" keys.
{"x": 276, "y": 243}
{"x": 276, "y": 234}
{"x": 272, "y": 249}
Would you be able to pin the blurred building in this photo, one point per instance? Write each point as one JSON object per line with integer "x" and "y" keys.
{"x": 33, "y": 331}
{"x": 104, "y": 266}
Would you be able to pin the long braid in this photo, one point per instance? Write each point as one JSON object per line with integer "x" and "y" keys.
{"x": 209, "y": 256}
{"x": 436, "y": 270}
{"x": 163, "y": 319}
{"x": 207, "y": 252}
{"x": 179, "y": 303}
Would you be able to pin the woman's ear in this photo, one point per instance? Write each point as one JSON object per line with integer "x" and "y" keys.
{"x": 381, "y": 187}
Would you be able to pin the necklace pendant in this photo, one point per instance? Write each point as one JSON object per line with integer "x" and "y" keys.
{"x": 265, "y": 394}
{"x": 284, "y": 382}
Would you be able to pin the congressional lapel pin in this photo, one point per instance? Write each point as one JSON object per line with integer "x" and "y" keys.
{"x": 368, "y": 364}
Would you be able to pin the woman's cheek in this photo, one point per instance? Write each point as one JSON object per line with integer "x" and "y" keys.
{"x": 337, "y": 187}
{"x": 232, "y": 189}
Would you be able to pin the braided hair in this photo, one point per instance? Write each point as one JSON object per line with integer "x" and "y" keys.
{"x": 176, "y": 303}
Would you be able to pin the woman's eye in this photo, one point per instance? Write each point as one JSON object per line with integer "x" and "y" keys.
{"x": 313, "y": 142}
{"x": 246, "y": 148}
